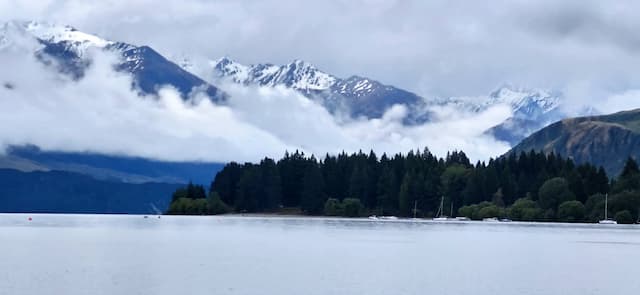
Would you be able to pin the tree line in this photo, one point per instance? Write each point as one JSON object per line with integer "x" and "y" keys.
{"x": 529, "y": 186}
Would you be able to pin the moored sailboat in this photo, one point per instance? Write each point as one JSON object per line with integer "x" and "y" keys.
{"x": 606, "y": 220}
{"x": 440, "y": 214}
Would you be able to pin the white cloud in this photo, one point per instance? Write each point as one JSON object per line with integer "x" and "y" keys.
{"x": 586, "y": 49}
{"x": 624, "y": 101}
{"x": 99, "y": 113}
{"x": 435, "y": 48}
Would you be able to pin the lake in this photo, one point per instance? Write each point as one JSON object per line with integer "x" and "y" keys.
{"x": 111, "y": 254}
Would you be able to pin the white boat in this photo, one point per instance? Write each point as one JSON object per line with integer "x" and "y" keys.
{"x": 606, "y": 220}
{"x": 388, "y": 218}
{"x": 491, "y": 219}
{"x": 440, "y": 213}
{"x": 373, "y": 217}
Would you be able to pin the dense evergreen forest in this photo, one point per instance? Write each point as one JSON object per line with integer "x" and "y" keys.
{"x": 529, "y": 186}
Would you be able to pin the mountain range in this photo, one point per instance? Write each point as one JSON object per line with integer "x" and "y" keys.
{"x": 365, "y": 97}
{"x": 356, "y": 95}
{"x": 607, "y": 140}
{"x": 70, "y": 52}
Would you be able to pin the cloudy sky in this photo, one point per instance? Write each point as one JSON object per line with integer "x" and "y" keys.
{"x": 441, "y": 48}
{"x": 588, "y": 50}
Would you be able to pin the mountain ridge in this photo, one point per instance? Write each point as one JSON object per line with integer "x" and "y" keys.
{"x": 606, "y": 140}
{"x": 70, "y": 49}
{"x": 532, "y": 108}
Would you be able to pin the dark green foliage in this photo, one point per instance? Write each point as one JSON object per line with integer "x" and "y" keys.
{"x": 191, "y": 191}
{"x": 359, "y": 182}
{"x": 200, "y": 206}
{"x": 216, "y": 205}
{"x": 271, "y": 190}
{"x": 349, "y": 207}
{"x": 387, "y": 193}
{"x": 410, "y": 190}
{"x": 571, "y": 211}
{"x": 188, "y": 206}
{"x": 630, "y": 168}
{"x": 312, "y": 196}
{"x": 333, "y": 207}
{"x": 627, "y": 200}
{"x": 352, "y": 207}
{"x": 594, "y": 208}
{"x": 624, "y": 217}
{"x": 454, "y": 181}
{"x": 629, "y": 179}
{"x": 226, "y": 182}
{"x": 248, "y": 190}
{"x": 395, "y": 185}
{"x": 524, "y": 209}
{"x": 467, "y": 211}
{"x": 554, "y": 192}
{"x": 481, "y": 210}
{"x": 292, "y": 169}
{"x": 490, "y": 211}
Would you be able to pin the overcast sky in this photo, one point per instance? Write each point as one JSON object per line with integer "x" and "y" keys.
{"x": 587, "y": 49}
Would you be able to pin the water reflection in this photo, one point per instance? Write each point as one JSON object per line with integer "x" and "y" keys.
{"x": 110, "y": 254}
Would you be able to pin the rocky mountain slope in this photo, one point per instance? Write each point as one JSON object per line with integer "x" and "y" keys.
{"x": 361, "y": 96}
{"x": 70, "y": 51}
{"x": 602, "y": 140}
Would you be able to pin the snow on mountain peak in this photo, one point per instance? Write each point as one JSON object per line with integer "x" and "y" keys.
{"x": 227, "y": 67}
{"x": 79, "y": 42}
{"x": 298, "y": 74}
{"x": 56, "y": 33}
{"x": 523, "y": 99}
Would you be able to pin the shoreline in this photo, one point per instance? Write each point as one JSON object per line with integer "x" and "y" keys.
{"x": 276, "y": 216}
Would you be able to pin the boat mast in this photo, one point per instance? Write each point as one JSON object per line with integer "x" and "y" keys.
{"x": 606, "y": 200}
{"x": 451, "y": 210}
{"x": 415, "y": 208}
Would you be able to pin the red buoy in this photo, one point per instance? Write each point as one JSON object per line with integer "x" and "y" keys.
{"x": 29, "y": 218}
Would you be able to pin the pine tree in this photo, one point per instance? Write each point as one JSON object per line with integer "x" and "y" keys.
{"x": 271, "y": 188}
{"x": 630, "y": 168}
{"x": 386, "y": 192}
{"x": 359, "y": 183}
{"x": 248, "y": 190}
{"x": 312, "y": 197}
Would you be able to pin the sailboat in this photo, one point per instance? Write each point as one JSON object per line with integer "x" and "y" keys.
{"x": 440, "y": 213}
{"x": 606, "y": 220}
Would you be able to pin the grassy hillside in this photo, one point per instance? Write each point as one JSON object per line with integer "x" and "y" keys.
{"x": 602, "y": 140}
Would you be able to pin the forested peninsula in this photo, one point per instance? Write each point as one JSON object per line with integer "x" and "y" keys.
{"x": 526, "y": 187}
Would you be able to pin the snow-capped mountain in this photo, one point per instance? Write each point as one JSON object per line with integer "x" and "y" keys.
{"x": 297, "y": 75}
{"x": 69, "y": 49}
{"x": 526, "y": 102}
{"x": 74, "y": 40}
{"x": 358, "y": 96}
{"x": 532, "y": 108}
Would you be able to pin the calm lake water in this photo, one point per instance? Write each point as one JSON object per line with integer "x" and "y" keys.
{"x": 95, "y": 254}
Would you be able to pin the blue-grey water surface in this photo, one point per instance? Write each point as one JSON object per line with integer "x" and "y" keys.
{"x": 111, "y": 254}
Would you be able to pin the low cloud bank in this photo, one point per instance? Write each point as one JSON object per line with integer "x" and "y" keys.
{"x": 100, "y": 113}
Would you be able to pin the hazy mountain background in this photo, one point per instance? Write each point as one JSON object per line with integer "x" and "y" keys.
{"x": 81, "y": 106}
